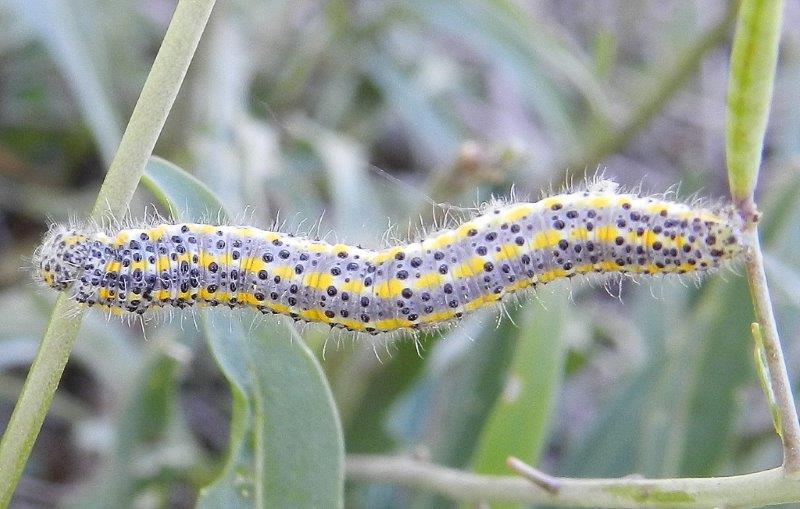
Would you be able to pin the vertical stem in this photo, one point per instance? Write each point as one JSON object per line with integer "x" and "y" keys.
{"x": 778, "y": 376}
{"x": 754, "y": 58}
{"x": 752, "y": 73}
{"x": 144, "y": 127}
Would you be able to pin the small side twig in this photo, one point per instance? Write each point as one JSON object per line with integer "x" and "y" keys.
{"x": 539, "y": 478}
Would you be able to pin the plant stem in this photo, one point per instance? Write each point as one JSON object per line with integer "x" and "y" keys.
{"x": 37, "y": 394}
{"x": 778, "y": 376}
{"x": 144, "y": 127}
{"x": 752, "y": 73}
{"x": 152, "y": 108}
{"x": 749, "y": 490}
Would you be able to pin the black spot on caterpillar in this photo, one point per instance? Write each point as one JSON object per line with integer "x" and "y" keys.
{"x": 504, "y": 249}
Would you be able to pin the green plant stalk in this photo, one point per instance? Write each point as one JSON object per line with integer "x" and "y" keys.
{"x": 752, "y": 73}
{"x": 778, "y": 376}
{"x": 749, "y": 490}
{"x": 144, "y": 127}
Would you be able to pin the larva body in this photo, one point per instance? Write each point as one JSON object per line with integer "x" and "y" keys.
{"x": 422, "y": 284}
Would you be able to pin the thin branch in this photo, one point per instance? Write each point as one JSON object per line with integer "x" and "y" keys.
{"x": 778, "y": 376}
{"x": 153, "y": 106}
{"x": 749, "y": 490}
{"x": 545, "y": 481}
{"x": 752, "y": 73}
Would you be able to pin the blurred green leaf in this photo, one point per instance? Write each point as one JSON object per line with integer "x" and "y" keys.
{"x": 720, "y": 367}
{"x": 366, "y": 429}
{"x": 488, "y": 28}
{"x": 465, "y": 389}
{"x": 55, "y": 25}
{"x": 435, "y": 134}
{"x": 782, "y": 203}
{"x": 286, "y": 447}
{"x": 520, "y": 420}
{"x": 752, "y": 72}
{"x": 783, "y": 278}
{"x": 598, "y": 452}
{"x": 676, "y": 414}
{"x": 604, "y": 52}
{"x": 184, "y": 196}
{"x": 623, "y": 419}
{"x": 447, "y": 408}
{"x": 142, "y": 447}
{"x": 347, "y": 169}
{"x": 540, "y": 42}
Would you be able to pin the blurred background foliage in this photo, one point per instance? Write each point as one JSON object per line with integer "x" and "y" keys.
{"x": 362, "y": 112}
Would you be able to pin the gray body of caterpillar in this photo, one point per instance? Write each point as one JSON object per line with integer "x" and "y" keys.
{"x": 506, "y": 249}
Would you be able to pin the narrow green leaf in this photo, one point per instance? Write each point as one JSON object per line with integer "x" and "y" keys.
{"x": 762, "y": 370}
{"x": 750, "y": 83}
{"x": 285, "y": 447}
{"x": 520, "y": 419}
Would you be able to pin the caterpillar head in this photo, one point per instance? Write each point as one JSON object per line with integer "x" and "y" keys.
{"x": 725, "y": 233}
{"x": 59, "y": 259}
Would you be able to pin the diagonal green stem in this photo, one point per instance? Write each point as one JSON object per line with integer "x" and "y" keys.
{"x": 144, "y": 127}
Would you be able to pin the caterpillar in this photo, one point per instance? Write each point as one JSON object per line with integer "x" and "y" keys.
{"x": 502, "y": 250}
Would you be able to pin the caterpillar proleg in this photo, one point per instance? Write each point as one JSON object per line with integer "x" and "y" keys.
{"x": 504, "y": 249}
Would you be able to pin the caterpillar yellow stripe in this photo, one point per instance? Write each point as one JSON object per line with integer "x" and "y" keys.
{"x": 505, "y": 249}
